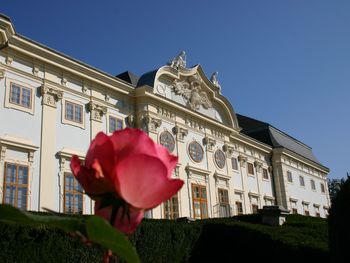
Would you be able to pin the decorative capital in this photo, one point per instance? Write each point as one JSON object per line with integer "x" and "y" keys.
{"x": 258, "y": 166}
{"x": 35, "y": 70}
{"x": 9, "y": 60}
{"x": 130, "y": 120}
{"x": 209, "y": 142}
{"x": 31, "y": 156}
{"x": 2, "y": 73}
{"x": 64, "y": 81}
{"x": 180, "y": 132}
{"x": 152, "y": 123}
{"x": 242, "y": 159}
{"x": 3, "y": 152}
{"x": 50, "y": 95}
{"x": 228, "y": 150}
{"x": 270, "y": 169}
{"x": 96, "y": 111}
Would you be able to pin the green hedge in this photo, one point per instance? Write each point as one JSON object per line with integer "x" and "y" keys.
{"x": 23, "y": 243}
{"x": 301, "y": 239}
{"x": 228, "y": 239}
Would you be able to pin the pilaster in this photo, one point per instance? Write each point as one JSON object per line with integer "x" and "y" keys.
{"x": 50, "y": 96}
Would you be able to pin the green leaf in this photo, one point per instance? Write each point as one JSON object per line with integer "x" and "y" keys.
{"x": 101, "y": 232}
{"x": 9, "y": 213}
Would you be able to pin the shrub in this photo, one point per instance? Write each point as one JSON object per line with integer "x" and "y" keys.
{"x": 339, "y": 228}
{"x": 24, "y": 243}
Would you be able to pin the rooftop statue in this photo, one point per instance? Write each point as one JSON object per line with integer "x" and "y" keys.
{"x": 214, "y": 79}
{"x": 178, "y": 61}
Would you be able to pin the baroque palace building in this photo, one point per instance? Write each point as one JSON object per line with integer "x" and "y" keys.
{"x": 52, "y": 106}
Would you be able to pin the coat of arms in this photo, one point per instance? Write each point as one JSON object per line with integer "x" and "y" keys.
{"x": 191, "y": 91}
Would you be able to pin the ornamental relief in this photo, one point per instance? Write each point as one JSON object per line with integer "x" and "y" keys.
{"x": 50, "y": 95}
{"x": 191, "y": 91}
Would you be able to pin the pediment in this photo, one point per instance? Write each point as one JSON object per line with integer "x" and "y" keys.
{"x": 191, "y": 88}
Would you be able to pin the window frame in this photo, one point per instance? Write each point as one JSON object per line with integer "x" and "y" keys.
{"x": 9, "y": 83}
{"x": 171, "y": 214}
{"x": 65, "y": 120}
{"x": 301, "y": 181}
{"x": 313, "y": 185}
{"x": 267, "y": 174}
{"x": 255, "y": 208}
{"x": 248, "y": 169}
{"x": 236, "y": 163}
{"x": 74, "y": 192}
{"x": 323, "y": 188}
{"x": 16, "y": 184}
{"x": 289, "y": 176}
{"x": 201, "y": 201}
{"x": 241, "y": 207}
{"x": 117, "y": 119}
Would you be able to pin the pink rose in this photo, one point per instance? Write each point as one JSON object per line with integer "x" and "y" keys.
{"x": 126, "y": 173}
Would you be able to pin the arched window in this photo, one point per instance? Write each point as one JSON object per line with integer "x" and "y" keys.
{"x": 196, "y": 151}
{"x": 167, "y": 140}
{"x": 220, "y": 158}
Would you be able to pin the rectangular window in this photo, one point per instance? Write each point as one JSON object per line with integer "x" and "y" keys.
{"x": 255, "y": 208}
{"x": 294, "y": 211}
{"x": 250, "y": 169}
{"x": 234, "y": 164}
{"x": 73, "y": 195}
{"x": 224, "y": 204}
{"x": 16, "y": 185}
{"x": 239, "y": 208}
{"x": 318, "y": 214}
{"x": 73, "y": 112}
{"x": 289, "y": 177}
{"x": 301, "y": 181}
{"x": 115, "y": 124}
{"x": 199, "y": 198}
{"x": 20, "y": 95}
{"x": 313, "y": 186}
{"x": 307, "y": 213}
{"x": 265, "y": 174}
{"x": 323, "y": 190}
{"x": 171, "y": 208}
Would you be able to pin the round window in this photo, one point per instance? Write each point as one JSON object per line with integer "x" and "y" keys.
{"x": 220, "y": 159}
{"x": 167, "y": 140}
{"x": 196, "y": 151}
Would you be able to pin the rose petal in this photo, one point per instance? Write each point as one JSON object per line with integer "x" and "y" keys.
{"x": 143, "y": 182}
{"x": 101, "y": 149}
{"x": 122, "y": 222}
{"x": 168, "y": 159}
{"x": 133, "y": 141}
{"x": 89, "y": 179}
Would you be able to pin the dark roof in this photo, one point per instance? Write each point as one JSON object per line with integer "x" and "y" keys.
{"x": 5, "y": 17}
{"x": 272, "y": 136}
{"x": 147, "y": 78}
{"x": 129, "y": 77}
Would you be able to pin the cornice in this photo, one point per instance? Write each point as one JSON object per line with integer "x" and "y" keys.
{"x": 67, "y": 64}
{"x": 183, "y": 111}
{"x": 301, "y": 159}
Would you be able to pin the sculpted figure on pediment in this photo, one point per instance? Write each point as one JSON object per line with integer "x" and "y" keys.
{"x": 178, "y": 61}
{"x": 190, "y": 89}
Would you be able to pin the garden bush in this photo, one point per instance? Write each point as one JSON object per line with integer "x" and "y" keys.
{"x": 222, "y": 239}
{"x": 339, "y": 225}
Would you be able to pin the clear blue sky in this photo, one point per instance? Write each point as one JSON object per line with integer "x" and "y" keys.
{"x": 283, "y": 62}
